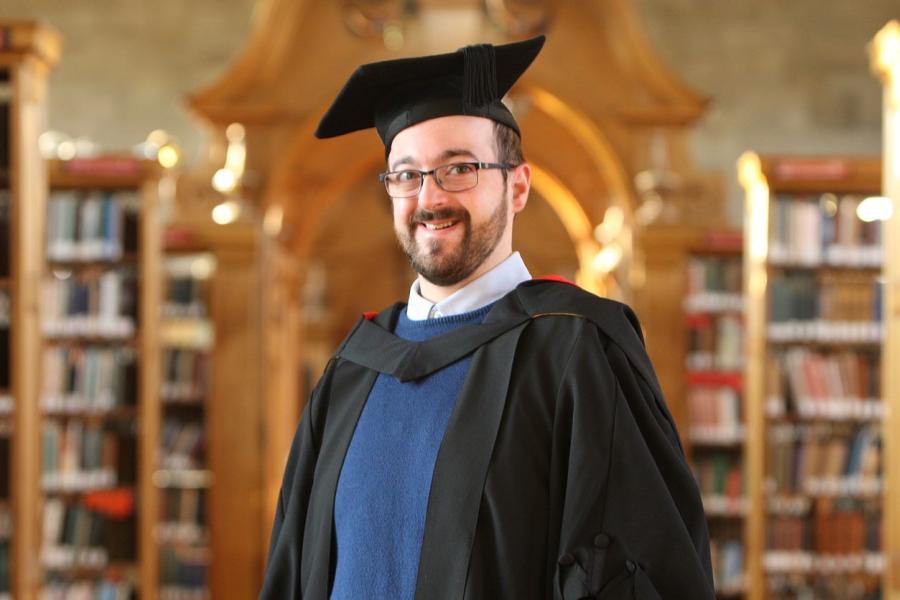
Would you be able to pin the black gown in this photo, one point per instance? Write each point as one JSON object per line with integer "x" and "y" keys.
{"x": 560, "y": 475}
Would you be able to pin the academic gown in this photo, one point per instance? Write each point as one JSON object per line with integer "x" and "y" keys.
{"x": 560, "y": 475}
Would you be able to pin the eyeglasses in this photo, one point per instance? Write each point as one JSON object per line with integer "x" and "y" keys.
{"x": 455, "y": 177}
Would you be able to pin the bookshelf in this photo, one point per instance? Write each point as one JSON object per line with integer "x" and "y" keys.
{"x": 99, "y": 416}
{"x": 885, "y": 54}
{"x": 231, "y": 478}
{"x": 183, "y": 475}
{"x": 27, "y": 53}
{"x": 713, "y": 317}
{"x": 697, "y": 350}
{"x": 814, "y": 407}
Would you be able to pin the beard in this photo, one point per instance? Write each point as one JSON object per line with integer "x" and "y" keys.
{"x": 437, "y": 260}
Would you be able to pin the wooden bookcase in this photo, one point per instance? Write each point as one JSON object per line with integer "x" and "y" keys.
{"x": 668, "y": 255}
{"x": 99, "y": 411}
{"x": 713, "y": 385}
{"x": 27, "y": 53}
{"x": 183, "y": 475}
{"x": 885, "y": 54}
{"x": 813, "y": 406}
{"x": 253, "y": 399}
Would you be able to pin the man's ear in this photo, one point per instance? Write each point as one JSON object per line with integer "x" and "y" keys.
{"x": 520, "y": 180}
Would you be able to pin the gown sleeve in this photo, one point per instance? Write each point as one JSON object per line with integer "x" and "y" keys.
{"x": 282, "y": 576}
{"x": 632, "y": 524}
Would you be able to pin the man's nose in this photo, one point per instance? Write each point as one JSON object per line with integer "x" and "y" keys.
{"x": 431, "y": 195}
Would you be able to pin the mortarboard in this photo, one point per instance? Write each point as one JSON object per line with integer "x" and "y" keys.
{"x": 395, "y": 94}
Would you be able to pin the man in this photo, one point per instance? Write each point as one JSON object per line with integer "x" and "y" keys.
{"x": 497, "y": 436}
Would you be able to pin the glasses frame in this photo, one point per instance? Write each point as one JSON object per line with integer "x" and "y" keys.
{"x": 382, "y": 177}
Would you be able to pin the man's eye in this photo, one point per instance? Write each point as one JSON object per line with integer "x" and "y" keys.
{"x": 461, "y": 169}
{"x": 405, "y": 176}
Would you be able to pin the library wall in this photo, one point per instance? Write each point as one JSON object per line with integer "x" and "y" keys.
{"x": 784, "y": 77}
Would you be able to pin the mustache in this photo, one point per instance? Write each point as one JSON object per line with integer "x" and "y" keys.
{"x": 422, "y": 215}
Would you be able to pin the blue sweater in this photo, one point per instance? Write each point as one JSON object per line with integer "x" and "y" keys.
{"x": 382, "y": 492}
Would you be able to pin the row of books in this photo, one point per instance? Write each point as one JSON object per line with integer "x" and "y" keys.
{"x": 827, "y": 297}
{"x": 715, "y": 415}
{"x": 715, "y": 342}
{"x": 5, "y": 569}
{"x": 91, "y": 225}
{"x": 6, "y": 95}
{"x": 5, "y": 521}
{"x": 720, "y": 478}
{"x": 184, "y": 375}
{"x": 79, "y": 455}
{"x": 183, "y": 572}
{"x": 4, "y": 362}
{"x": 5, "y": 308}
{"x": 791, "y": 586}
{"x": 721, "y": 274}
{"x": 842, "y": 385}
{"x": 100, "y": 303}
{"x": 821, "y": 460}
{"x": 823, "y": 230}
{"x": 183, "y": 516}
{"x": 5, "y": 475}
{"x": 183, "y": 531}
{"x": 89, "y": 533}
{"x": 5, "y": 238}
{"x": 727, "y": 556}
{"x": 5, "y": 546}
{"x": 185, "y": 297}
{"x": 88, "y": 379}
{"x": 5, "y": 533}
{"x": 839, "y": 540}
{"x": 182, "y": 444}
{"x": 105, "y": 589}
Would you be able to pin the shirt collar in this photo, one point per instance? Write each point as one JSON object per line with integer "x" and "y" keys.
{"x": 488, "y": 288}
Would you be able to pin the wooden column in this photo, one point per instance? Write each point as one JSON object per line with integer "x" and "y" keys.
{"x": 885, "y": 51}
{"x": 657, "y": 300}
{"x": 27, "y": 52}
{"x": 236, "y": 400}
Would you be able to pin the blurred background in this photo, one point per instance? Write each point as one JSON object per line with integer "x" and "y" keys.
{"x": 179, "y": 257}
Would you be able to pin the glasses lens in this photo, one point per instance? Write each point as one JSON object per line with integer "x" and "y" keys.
{"x": 402, "y": 184}
{"x": 457, "y": 177}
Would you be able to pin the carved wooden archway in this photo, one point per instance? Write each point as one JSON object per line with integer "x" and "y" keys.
{"x": 592, "y": 101}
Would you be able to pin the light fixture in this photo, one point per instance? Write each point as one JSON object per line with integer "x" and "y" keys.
{"x": 875, "y": 208}
{"x": 608, "y": 258}
{"x": 224, "y": 181}
{"x": 168, "y": 156}
{"x": 226, "y": 212}
{"x": 611, "y": 226}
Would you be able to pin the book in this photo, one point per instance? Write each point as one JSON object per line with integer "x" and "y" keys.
{"x": 92, "y": 304}
{"x": 185, "y": 375}
{"x": 822, "y": 230}
{"x": 88, "y": 379}
{"x": 90, "y": 225}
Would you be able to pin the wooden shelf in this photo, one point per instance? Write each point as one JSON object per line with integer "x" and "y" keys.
{"x": 764, "y": 179}
{"x": 669, "y": 255}
{"x": 140, "y": 337}
{"x": 104, "y": 172}
{"x": 886, "y": 65}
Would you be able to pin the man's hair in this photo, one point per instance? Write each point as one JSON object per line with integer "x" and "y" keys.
{"x": 509, "y": 146}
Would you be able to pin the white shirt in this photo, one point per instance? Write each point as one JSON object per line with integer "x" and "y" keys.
{"x": 488, "y": 288}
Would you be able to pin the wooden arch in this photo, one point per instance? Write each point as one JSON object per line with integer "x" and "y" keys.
{"x": 590, "y": 102}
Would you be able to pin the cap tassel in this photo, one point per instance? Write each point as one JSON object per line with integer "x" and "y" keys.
{"x": 480, "y": 75}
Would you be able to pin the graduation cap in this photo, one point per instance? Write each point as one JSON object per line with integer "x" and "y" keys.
{"x": 392, "y": 95}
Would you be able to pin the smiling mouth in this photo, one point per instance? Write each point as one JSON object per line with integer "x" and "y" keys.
{"x": 439, "y": 226}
